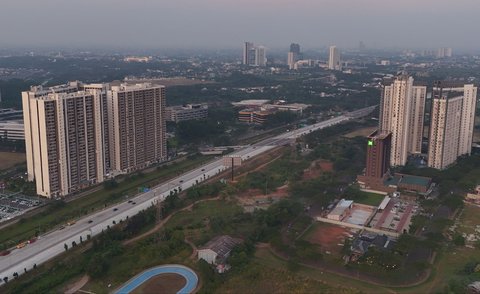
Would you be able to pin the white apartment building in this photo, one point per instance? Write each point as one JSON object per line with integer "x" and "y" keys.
{"x": 452, "y": 123}
{"x": 334, "y": 62}
{"x": 77, "y": 135}
{"x": 64, "y": 138}
{"x": 136, "y": 126}
{"x": 444, "y": 131}
{"x": 402, "y": 113}
{"x": 254, "y": 55}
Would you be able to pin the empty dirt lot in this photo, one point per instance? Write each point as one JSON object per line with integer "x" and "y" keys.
{"x": 10, "y": 159}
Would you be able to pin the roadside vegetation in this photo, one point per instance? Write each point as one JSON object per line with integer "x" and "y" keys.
{"x": 58, "y": 212}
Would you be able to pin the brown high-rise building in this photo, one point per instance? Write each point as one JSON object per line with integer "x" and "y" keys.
{"x": 379, "y": 146}
{"x": 378, "y": 154}
{"x": 137, "y": 126}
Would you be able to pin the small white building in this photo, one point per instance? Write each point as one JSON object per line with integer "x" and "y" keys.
{"x": 341, "y": 210}
{"x": 217, "y": 250}
{"x": 384, "y": 203}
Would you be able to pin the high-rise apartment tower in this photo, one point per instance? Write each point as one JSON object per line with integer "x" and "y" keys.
{"x": 334, "y": 62}
{"x": 402, "y": 113}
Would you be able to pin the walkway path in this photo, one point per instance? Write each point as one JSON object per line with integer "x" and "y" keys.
{"x": 75, "y": 287}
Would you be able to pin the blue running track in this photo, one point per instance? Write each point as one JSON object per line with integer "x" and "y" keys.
{"x": 187, "y": 273}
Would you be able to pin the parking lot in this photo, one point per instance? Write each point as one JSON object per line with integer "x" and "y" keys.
{"x": 396, "y": 216}
{"x": 15, "y": 204}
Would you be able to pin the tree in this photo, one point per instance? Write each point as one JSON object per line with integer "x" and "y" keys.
{"x": 65, "y": 246}
{"x": 97, "y": 266}
{"x": 459, "y": 240}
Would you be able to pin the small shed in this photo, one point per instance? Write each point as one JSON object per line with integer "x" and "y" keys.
{"x": 217, "y": 250}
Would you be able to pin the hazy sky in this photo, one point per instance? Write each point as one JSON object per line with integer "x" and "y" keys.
{"x": 227, "y": 23}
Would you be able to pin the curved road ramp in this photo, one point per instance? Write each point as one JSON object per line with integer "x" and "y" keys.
{"x": 189, "y": 275}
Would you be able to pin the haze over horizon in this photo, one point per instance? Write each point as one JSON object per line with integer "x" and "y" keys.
{"x": 227, "y": 23}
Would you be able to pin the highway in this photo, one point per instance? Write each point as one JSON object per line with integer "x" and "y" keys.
{"x": 52, "y": 243}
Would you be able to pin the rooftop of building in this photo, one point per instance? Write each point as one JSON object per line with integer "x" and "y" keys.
{"x": 132, "y": 87}
{"x": 222, "y": 245}
{"x": 12, "y": 122}
{"x": 189, "y": 106}
{"x": 398, "y": 179}
{"x": 9, "y": 111}
{"x": 379, "y": 135}
{"x": 366, "y": 240}
{"x": 251, "y": 102}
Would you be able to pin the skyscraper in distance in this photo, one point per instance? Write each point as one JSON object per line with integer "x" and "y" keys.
{"x": 334, "y": 62}
{"x": 293, "y": 55}
{"x": 254, "y": 55}
{"x": 260, "y": 56}
{"x": 247, "y": 47}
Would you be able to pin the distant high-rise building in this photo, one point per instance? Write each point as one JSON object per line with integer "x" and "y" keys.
{"x": 64, "y": 131}
{"x": 334, "y": 62}
{"x": 295, "y": 48}
{"x": 260, "y": 56}
{"x": 293, "y": 55}
{"x": 137, "y": 126}
{"x": 443, "y": 52}
{"x": 451, "y": 123}
{"x": 361, "y": 46}
{"x": 402, "y": 113}
{"x": 254, "y": 55}
{"x": 378, "y": 154}
{"x": 247, "y": 48}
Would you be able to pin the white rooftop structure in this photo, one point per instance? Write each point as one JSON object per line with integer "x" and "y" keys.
{"x": 384, "y": 203}
{"x": 251, "y": 102}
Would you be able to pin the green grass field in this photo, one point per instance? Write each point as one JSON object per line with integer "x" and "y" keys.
{"x": 346, "y": 284}
{"x": 371, "y": 199}
{"x": 206, "y": 217}
{"x": 260, "y": 278}
{"x": 469, "y": 219}
{"x": 52, "y": 217}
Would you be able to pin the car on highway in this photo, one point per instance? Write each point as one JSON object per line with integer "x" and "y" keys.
{"x": 115, "y": 209}
{"x": 90, "y": 221}
{"x": 133, "y": 203}
{"x": 21, "y": 245}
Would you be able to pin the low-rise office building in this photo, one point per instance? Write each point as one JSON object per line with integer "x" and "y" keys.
{"x": 12, "y": 130}
{"x": 186, "y": 112}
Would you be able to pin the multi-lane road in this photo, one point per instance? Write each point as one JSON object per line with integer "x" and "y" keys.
{"x": 53, "y": 243}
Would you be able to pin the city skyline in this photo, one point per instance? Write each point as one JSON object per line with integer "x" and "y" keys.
{"x": 224, "y": 24}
